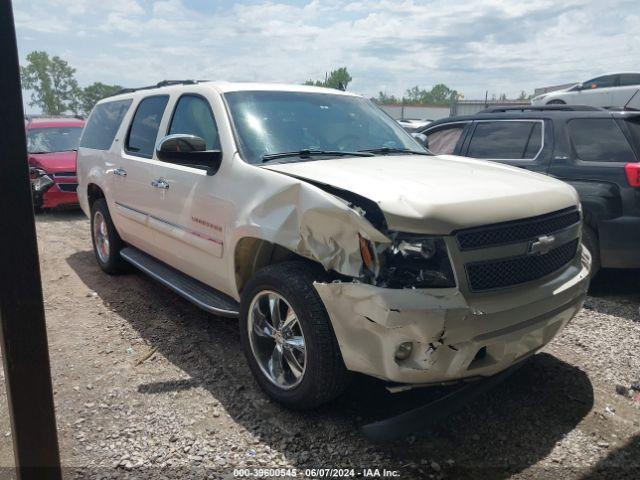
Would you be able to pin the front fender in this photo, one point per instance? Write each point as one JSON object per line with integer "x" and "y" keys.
{"x": 310, "y": 222}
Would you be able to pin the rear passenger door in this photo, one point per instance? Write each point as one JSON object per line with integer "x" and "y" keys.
{"x": 134, "y": 194}
{"x": 526, "y": 143}
{"x": 628, "y": 93}
{"x": 598, "y": 151}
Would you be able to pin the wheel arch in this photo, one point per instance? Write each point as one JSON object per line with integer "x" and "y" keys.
{"x": 252, "y": 253}
{"x": 94, "y": 192}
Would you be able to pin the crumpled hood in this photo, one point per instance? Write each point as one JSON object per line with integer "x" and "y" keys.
{"x": 54, "y": 162}
{"x": 439, "y": 194}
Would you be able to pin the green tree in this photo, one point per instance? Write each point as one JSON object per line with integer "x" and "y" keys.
{"x": 385, "y": 99}
{"x": 93, "y": 93}
{"x": 440, "y": 94}
{"x": 414, "y": 95}
{"x": 338, "y": 79}
{"x": 524, "y": 96}
{"x": 52, "y": 83}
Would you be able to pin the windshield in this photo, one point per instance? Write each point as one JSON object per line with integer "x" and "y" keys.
{"x": 268, "y": 123}
{"x": 56, "y": 139}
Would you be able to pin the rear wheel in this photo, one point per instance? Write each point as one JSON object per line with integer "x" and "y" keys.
{"x": 287, "y": 336}
{"x": 106, "y": 241}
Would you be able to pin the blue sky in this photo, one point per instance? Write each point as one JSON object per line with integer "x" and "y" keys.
{"x": 471, "y": 45}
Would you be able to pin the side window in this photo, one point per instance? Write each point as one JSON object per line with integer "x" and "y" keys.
{"x": 443, "y": 141}
{"x": 628, "y": 79}
{"x": 103, "y": 124}
{"x": 144, "y": 126}
{"x": 600, "y": 82}
{"x": 600, "y": 140}
{"x": 506, "y": 140}
{"x": 193, "y": 116}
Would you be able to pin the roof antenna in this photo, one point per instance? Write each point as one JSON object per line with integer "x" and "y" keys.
{"x": 626, "y": 104}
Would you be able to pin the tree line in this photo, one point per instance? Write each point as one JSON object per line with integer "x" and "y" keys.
{"x": 54, "y": 88}
{"x": 440, "y": 94}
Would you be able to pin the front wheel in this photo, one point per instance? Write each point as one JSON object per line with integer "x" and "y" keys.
{"x": 287, "y": 336}
{"x": 557, "y": 102}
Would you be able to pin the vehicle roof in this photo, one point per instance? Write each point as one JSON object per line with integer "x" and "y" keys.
{"x": 52, "y": 122}
{"x": 536, "y": 114}
{"x": 615, "y": 73}
{"x": 222, "y": 87}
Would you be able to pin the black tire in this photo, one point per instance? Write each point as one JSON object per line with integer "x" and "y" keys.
{"x": 325, "y": 375}
{"x": 557, "y": 102}
{"x": 590, "y": 240}
{"x": 112, "y": 263}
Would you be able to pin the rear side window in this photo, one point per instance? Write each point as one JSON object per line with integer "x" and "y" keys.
{"x": 506, "y": 140}
{"x": 194, "y": 117}
{"x": 627, "y": 79}
{"x": 144, "y": 126}
{"x": 599, "y": 140}
{"x": 443, "y": 141}
{"x": 103, "y": 124}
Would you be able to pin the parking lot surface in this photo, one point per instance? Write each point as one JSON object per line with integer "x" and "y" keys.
{"x": 149, "y": 386}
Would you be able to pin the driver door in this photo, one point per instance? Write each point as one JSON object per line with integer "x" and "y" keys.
{"x": 598, "y": 92}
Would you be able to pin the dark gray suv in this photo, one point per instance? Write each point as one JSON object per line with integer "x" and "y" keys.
{"x": 595, "y": 150}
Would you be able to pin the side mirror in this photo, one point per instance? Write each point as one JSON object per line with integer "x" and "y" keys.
{"x": 579, "y": 87}
{"x": 421, "y": 138}
{"x": 188, "y": 150}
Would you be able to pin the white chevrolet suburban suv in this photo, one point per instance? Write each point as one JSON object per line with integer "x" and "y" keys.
{"x": 339, "y": 241}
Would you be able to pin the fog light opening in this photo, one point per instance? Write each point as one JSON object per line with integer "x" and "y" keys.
{"x": 404, "y": 350}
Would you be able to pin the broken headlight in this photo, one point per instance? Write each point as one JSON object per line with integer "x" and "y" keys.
{"x": 415, "y": 261}
{"x": 40, "y": 181}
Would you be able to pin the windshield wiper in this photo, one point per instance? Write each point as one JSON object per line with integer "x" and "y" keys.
{"x": 307, "y": 153}
{"x": 384, "y": 150}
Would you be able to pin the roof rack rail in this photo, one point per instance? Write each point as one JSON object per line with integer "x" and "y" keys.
{"x": 163, "y": 83}
{"x": 543, "y": 108}
{"x": 622, "y": 109}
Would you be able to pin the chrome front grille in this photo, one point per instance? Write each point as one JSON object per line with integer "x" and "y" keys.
{"x": 513, "y": 253}
{"x": 516, "y": 270}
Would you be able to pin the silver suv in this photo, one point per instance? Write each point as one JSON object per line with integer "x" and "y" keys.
{"x": 338, "y": 240}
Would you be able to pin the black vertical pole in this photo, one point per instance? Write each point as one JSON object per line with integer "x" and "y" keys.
{"x": 23, "y": 334}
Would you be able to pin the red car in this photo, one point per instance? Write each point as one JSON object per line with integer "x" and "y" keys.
{"x": 52, "y": 144}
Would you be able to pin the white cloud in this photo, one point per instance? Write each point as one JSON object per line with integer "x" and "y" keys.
{"x": 496, "y": 45}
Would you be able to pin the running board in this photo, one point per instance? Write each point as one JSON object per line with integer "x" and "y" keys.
{"x": 196, "y": 292}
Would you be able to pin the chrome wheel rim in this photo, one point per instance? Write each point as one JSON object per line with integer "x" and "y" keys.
{"x": 101, "y": 237}
{"x": 277, "y": 340}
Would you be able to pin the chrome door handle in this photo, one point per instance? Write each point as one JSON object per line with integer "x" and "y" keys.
{"x": 160, "y": 183}
{"x": 121, "y": 172}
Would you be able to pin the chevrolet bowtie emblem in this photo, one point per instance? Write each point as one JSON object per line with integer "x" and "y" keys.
{"x": 542, "y": 245}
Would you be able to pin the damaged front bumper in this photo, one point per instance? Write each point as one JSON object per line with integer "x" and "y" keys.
{"x": 453, "y": 335}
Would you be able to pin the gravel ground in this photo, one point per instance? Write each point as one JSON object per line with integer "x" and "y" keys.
{"x": 148, "y": 386}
